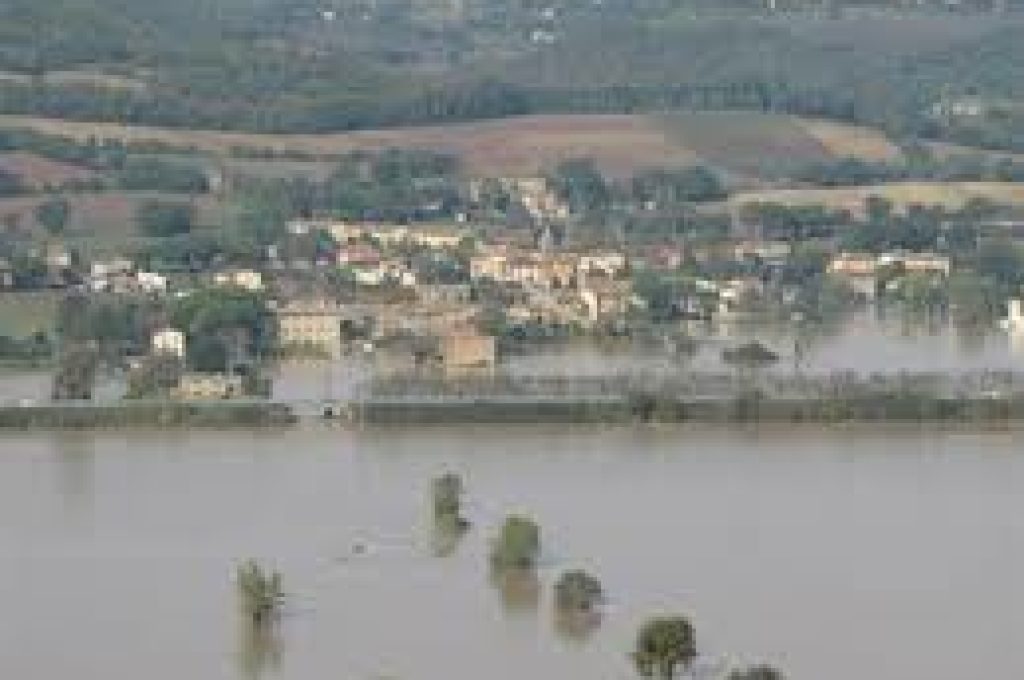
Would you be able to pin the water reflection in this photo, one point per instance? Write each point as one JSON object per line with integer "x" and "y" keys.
{"x": 519, "y": 589}
{"x": 260, "y": 649}
{"x": 576, "y": 626}
{"x": 1016, "y": 343}
{"x": 446, "y": 536}
{"x": 75, "y": 459}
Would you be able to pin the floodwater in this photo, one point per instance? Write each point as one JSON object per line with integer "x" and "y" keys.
{"x": 835, "y": 554}
{"x": 866, "y": 342}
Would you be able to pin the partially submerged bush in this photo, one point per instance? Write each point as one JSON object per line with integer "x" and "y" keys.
{"x": 260, "y": 591}
{"x": 518, "y": 544}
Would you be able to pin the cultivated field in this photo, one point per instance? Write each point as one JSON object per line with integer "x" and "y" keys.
{"x": 743, "y": 143}
{"x": 951, "y": 195}
{"x": 855, "y": 141}
{"x": 39, "y": 173}
{"x": 620, "y": 144}
{"x": 101, "y": 220}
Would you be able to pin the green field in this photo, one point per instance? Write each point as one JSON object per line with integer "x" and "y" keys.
{"x": 22, "y": 314}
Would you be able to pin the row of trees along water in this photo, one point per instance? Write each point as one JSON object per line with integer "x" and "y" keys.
{"x": 665, "y": 645}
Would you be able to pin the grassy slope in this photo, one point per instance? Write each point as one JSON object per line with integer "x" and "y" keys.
{"x": 740, "y": 142}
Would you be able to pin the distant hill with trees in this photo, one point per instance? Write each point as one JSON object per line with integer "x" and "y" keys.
{"x": 941, "y": 70}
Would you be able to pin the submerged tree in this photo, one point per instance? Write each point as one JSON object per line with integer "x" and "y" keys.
{"x": 447, "y": 493}
{"x": 578, "y": 597}
{"x": 449, "y": 525}
{"x": 750, "y": 355}
{"x": 514, "y": 555}
{"x": 518, "y": 544}
{"x": 261, "y": 593}
{"x": 663, "y": 645}
{"x": 578, "y": 592}
{"x": 75, "y": 373}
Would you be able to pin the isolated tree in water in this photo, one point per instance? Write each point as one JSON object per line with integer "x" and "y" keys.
{"x": 518, "y": 544}
{"x": 260, "y": 591}
{"x": 449, "y": 525}
{"x": 446, "y": 494}
{"x": 578, "y": 592}
{"x": 663, "y": 645}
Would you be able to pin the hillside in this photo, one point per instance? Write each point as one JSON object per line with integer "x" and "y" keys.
{"x": 951, "y": 195}
{"x": 310, "y": 66}
{"x": 740, "y": 143}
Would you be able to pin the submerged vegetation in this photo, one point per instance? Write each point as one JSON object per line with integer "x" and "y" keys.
{"x": 752, "y": 354}
{"x": 517, "y": 545}
{"x": 447, "y": 493}
{"x": 663, "y": 645}
{"x": 261, "y": 592}
{"x": 449, "y": 524}
{"x": 578, "y": 592}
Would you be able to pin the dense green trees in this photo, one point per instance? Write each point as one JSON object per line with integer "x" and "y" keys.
{"x": 156, "y": 174}
{"x": 161, "y": 219}
{"x": 223, "y": 326}
{"x": 206, "y": 63}
{"x": 52, "y": 214}
{"x": 666, "y": 186}
{"x": 114, "y": 325}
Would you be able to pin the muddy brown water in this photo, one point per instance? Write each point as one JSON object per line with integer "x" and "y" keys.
{"x": 840, "y": 554}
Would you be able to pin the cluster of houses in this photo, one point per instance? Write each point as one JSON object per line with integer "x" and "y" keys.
{"x": 869, "y": 274}
{"x": 431, "y": 289}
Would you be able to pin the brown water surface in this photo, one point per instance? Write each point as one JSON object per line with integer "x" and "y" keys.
{"x": 839, "y": 555}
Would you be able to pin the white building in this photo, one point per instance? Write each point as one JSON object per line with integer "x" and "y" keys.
{"x": 169, "y": 342}
{"x": 246, "y": 279}
{"x": 1015, "y": 319}
{"x": 113, "y": 267}
{"x": 151, "y": 282}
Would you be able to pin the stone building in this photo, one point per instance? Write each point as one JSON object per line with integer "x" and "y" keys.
{"x": 208, "y": 387}
{"x": 467, "y": 350}
{"x": 310, "y": 325}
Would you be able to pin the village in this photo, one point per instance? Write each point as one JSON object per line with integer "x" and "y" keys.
{"x": 450, "y": 297}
